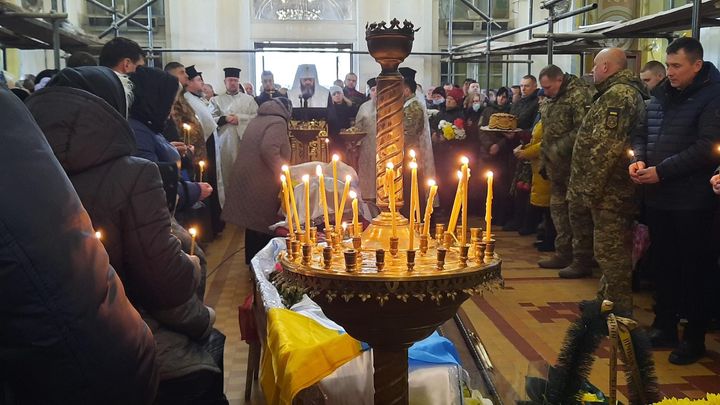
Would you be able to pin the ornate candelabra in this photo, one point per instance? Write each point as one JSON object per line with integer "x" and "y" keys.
{"x": 378, "y": 286}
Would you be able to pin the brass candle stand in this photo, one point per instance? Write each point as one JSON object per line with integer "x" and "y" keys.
{"x": 390, "y": 301}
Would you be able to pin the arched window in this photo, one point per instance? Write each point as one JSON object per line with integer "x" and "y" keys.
{"x": 304, "y": 10}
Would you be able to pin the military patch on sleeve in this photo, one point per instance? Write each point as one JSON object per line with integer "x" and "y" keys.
{"x": 612, "y": 118}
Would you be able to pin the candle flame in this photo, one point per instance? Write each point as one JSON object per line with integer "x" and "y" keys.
{"x": 413, "y": 165}
{"x": 348, "y": 178}
{"x": 318, "y": 170}
{"x": 344, "y": 226}
{"x": 459, "y": 174}
{"x": 327, "y": 140}
{"x": 283, "y": 178}
{"x": 335, "y": 157}
{"x": 284, "y": 168}
{"x": 431, "y": 182}
{"x": 186, "y": 127}
{"x": 352, "y": 195}
{"x": 464, "y": 160}
{"x": 412, "y": 153}
{"x": 201, "y": 163}
{"x": 98, "y": 235}
{"x": 489, "y": 174}
{"x": 305, "y": 178}
{"x": 390, "y": 165}
{"x": 631, "y": 153}
{"x": 193, "y": 231}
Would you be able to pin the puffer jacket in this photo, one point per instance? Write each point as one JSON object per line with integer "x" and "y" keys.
{"x": 525, "y": 110}
{"x": 252, "y": 196}
{"x": 68, "y": 334}
{"x": 679, "y": 139}
{"x": 540, "y": 190}
{"x": 126, "y": 202}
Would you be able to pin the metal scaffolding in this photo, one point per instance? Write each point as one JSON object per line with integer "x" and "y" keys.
{"x": 119, "y": 19}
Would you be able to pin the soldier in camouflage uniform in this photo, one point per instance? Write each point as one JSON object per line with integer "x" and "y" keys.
{"x": 562, "y": 114}
{"x": 599, "y": 180}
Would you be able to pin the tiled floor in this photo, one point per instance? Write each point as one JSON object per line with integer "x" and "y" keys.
{"x": 522, "y": 325}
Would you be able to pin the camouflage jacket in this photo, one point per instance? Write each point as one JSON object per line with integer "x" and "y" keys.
{"x": 600, "y": 159}
{"x": 413, "y": 122}
{"x": 562, "y": 117}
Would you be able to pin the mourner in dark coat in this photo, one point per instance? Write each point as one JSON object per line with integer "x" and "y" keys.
{"x": 126, "y": 202}
{"x": 68, "y": 333}
{"x": 252, "y": 197}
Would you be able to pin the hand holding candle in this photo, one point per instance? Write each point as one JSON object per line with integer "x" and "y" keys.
{"x": 291, "y": 192}
{"x": 323, "y": 197}
{"x": 488, "y": 207}
{"x": 286, "y": 204}
{"x": 355, "y": 209}
{"x": 193, "y": 234}
{"x": 429, "y": 207}
{"x": 631, "y": 154}
{"x": 306, "y": 183}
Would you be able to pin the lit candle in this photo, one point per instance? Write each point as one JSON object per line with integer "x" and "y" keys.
{"x": 456, "y": 205}
{"x": 413, "y": 202}
{"x": 429, "y": 206}
{"x": 465, "y": 177}
{"x": 186, "y": 130}
{"x": 286, "y": 204}
{"x": 346, "y": 191}
{"x": 291, "y": 191}
{"x": 415, "y": 193}
{"x": 306, "y": 183}
{"x": 390, "y": 173}
{"x": 202, "y": 168}
{"x": 338, "y": 216}
{"x": 488, "y": 206}
{"x": 193, "y": 234}
{"x": 98, "y": 235}
{"x": 356, "y": 221}
{"x": 631, "y": 153}
{"x": 344, "y": 229}
{"x": 323, "y": 197}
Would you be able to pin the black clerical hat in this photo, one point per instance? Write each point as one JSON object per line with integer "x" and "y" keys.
{"x": 232, "y": 72}
{"x": 372, "y": 82}
{"x": 192, "y": 73}
{"x": 408, "y": 73}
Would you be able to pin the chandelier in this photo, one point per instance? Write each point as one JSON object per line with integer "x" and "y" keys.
{"x": 298, "y": 10}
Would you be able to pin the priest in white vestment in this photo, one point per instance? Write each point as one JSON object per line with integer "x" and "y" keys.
{"x": 366, "y": 121}
{"x": 232, "y": 112}
{"x": 306, "y": 91}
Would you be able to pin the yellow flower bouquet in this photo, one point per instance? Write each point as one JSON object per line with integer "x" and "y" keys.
{"x": 710, "y": 399}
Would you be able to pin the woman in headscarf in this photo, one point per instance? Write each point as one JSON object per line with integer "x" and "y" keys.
{"x": 154, "y": 94}
{"x": 81, "y": 114}
{"x": 341, "y": 115}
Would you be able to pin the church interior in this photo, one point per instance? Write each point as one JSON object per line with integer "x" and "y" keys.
{"x": 392, "y": 297}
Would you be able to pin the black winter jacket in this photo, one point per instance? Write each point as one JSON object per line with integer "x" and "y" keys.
{"x": 68, "y": 334}
{"x": 126, "y": 202}
{"x": 679, "y": 139}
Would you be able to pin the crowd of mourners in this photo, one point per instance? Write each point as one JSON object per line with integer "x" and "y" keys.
{"x": 102, "y": 285}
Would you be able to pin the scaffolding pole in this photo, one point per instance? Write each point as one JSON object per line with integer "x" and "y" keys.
{"x": 563, "y": 16}
{"x": 488, "y": 36}
{"x": 696, "y": 19}
{"x": 117, "y": 24}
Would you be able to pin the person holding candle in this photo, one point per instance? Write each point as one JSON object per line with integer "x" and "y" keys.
{"x": 69, "y": 332}
{"x": 252, "y": 196}
{"x": 124, "y": 197}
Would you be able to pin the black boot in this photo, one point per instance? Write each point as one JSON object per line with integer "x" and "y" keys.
{"x": 688, "y": 352}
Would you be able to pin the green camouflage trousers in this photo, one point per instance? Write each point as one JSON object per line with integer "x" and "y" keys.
{"x": 574, "y": 238}
{"x": 612, "y": 247}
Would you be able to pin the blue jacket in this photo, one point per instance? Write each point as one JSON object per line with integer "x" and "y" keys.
{"x": 680, "y": 139}
{"x": 155, "y": 148}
